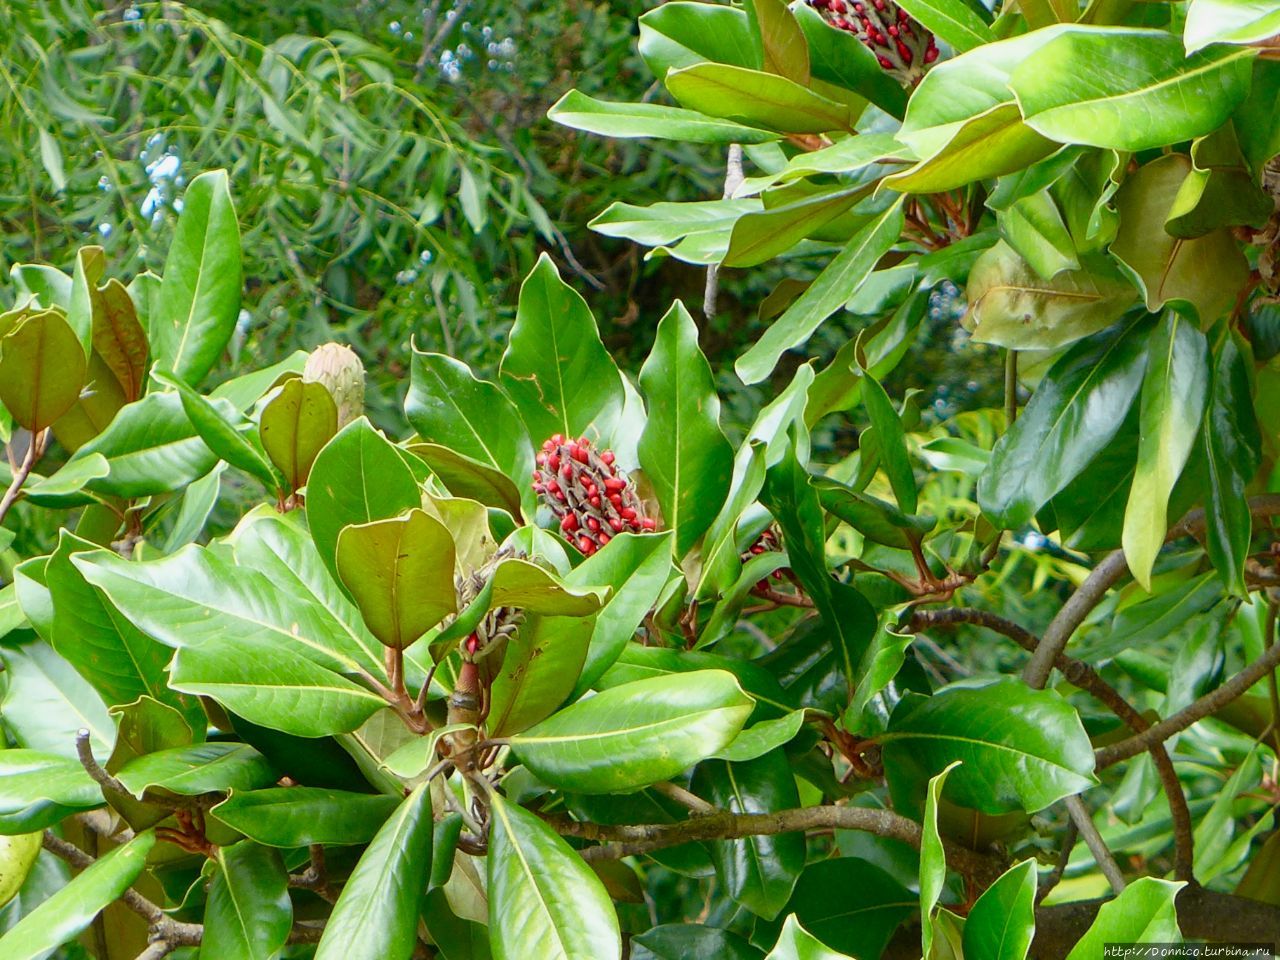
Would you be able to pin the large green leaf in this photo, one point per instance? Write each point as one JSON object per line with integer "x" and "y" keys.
{"x": 789, "y": 216}
{"x": 581, "y": 112}
{"x": 683, "y": 452}
{"x": 539, "y": 670}
{"x": 797, "y": 943}
{"x": 837, "y": 282}
{"x": 850, "y": 905}
{"x": 951, "y": 20}
{"x": 46, "y": 702}
{"x": 449, "y": 406}
{"x": 1207, "y": 272}
{"x": 70, "y": 910}
{"x": 42, "y": 369}
{"x": 39, "y": 789}
{"x": 1229, "y": 21}
{"x": 555, "y": 367}
{"x": 118, "y": 338}
{"x": 400, "y": 574}
{"x": 691, "y": 941}
{"x": 359, "y": 477}
{"x": 150, "y": 447}
{"x": 890, "y": 441}
{"x": 1022, "y": 749}
{"x": 276, "y": 658}
{"x": 757, "y": 872}
{"x": 755, "y": 98}
{"x": 120, "y": 661}
{"x": 543, "y": 900}
{"x": 1232, "y": 446}
{"x": 1010, "y": 305}
{"x": 1128, "y": 89}
{"x": 1220, "y": 190}
{"x": 376, "y": 916}
{"x": 636, "y": 734}
{"x": 637, "y": 567}
{"x": 933, "y": 859}
{"x": 1002, "y": 922}
{"x": 248, "y": 914}
{"x": 200, "y": 294}
{"x": 1078, "y": 407}
{"x": 294, "y": 426}
{"x": 300, "y": 816}
{"x": 991, "y": 144}
{"x": 680, "y": 34}
{"x": 840, "y": 58}
{"x": 1174, "y": 390}
{"x": 1143, "y": 913}
{"x": 190, "y": 771}
{"x": 697, "y": 231}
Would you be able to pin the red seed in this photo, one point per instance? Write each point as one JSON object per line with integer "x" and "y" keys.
{"x": 538, "y": 488}
{"x": 548, "y": 445}
{"x": 584, "y": 442}
{"x": 627, "y": 513}
{"x": 569, "y": 523}
{"x": 614, "y": 484}
{"x": 594, "y": 501}
{"x": 905, "y": 52}
{"x": 608, "y": 458}
{"x": 579, "y": 453}
{"x": 617, "y": 524}
{"x": 567, "y": 471}
{"x": 593, "y": 524}
{"x": 557, "y": 439}
{"x": 893, "y": 32}
{"x": 553, "y": 461}
{"x": 648, "y": 524}
{"x": 541, "y": 458}
{"x": 603, "y": 539}
{"x": 884, "y": 62}
{"x": 585, "y": 544}
{"x": 591, "y": 489}
{"x": 931, "y": 54}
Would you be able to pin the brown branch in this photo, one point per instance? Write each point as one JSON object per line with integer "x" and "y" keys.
{"x": 1083, "y": 820}
{"x": 1064, "y": 857}
{"x": 1210, "y": 703}
{"x": 35, "y": 449}
{"x": 626, "y": 840}
{"x": 1104, "y": 576}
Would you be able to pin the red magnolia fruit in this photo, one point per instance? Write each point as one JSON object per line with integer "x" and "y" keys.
{"x": 903, "y": 47}
{"x": 593, "y": 500}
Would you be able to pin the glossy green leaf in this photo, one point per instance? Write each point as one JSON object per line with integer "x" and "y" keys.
{"x": 1034, "y": 226}
{"x": 1022, "y": 749}
{"x": 295, "y": 425}
{"x": 1143, "y": 913}
{"x": 197, "y": 769}
{"x": 220, "y": 433}
{"x": 1012, "y": 306}
{"x": 199, "y": 298}
{"x": 682, "y": 450}
{"x": 42, "y": 369}
{"x": 244, "y": 391}
{"x": 783, "y": 50}
{"x": 1231, "y": 443}
{"x": 760, "y": 738}
{"x": 876, "y": 520}
{"x": 891, "y": 441}
{"x": 697, "y": 231}
{"x": 637, "y": 567}
{"x": 933, "y": 860}
{"x": 248, "y": 914}
{"x": 691, "y": 941}
{"x": 1002, "y": 922}
{"x": 849, "y": 905}
{"x": 757, "y": 872}
{"x": 952, "y": 21}
{"x": 581, "y": 112}
{"x": 1174, "y": 391}
{"x": 46, "y": 702}
{"x": 1207, "y": 272}
{"x": 1078, "y": 407}
{"x": 840, "y": 58}
{"x": 89, "y": 265}
{"x": 400, "y": 574}
{"x": 150, "y": 447}
{"x": 64, "y": 915}
{"x": 300, "y": 816}
{"x": 1128, "y": 89}
{"x": 838, "y": 280}
{"x": 539, "y": 671}
{"x": 38, "y": 790}
{"x": 680, "y": 34}
{"x": 639, "y": 733}
{"x": 376, "y": 916}
{"x": 796, "y": 943}
{"x": 1229, "y": 21}
{"x": 789, "y": 216}
{"x": 990, "y": 144}
{"x": 543, "y": 900}
{"x": 359, "y": 477}
{"x": 470, "y": 479}
{"x": 755, "y": 98}
{"x": 450, "y": 407}
{"x": 880, "y": 664}
{"x": 555, "y": 368}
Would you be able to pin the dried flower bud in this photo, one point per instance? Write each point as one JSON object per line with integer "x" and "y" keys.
{"x": 500, "y": 623}
{"x": 593, "y": 500}
{"x": 340, "y": 370}
{"x": 902, "y": 46}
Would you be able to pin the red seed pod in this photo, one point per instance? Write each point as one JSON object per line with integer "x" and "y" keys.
{"x": 902, "y": 46}
{"x": 594, "y": 501}
{"x": 603, "y": 539}
{"x": 648, "y": 524}
{"x": 591, "y": 489}
{"x": 553, "y": 461}
{"x": 627, "y": 513}
{"x": 578, "y": 453}
{"x": 591, "y": 499}
{"x": 617, "y": 524}
{"x": 541, "y": 458}
{"x": 615, "y": 499}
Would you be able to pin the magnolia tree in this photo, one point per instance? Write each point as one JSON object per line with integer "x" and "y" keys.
{"x": 566, "y": 673}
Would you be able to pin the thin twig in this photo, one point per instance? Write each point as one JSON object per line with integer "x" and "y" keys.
{"x": 84, "y": 750}
{"x": 1010, "y": 387}
{"x": 733, "y": 178}
{"x": 1083, "y": 820}
{"x": 1064, "y": 857}
{"x": 35, "y": 449}
{"x": 680, "y": 795}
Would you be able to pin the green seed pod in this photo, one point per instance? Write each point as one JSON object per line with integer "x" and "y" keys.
{"x": 17, "y": 854}
{"x": 337, "y": 367}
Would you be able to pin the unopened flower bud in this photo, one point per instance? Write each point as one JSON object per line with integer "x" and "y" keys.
{"x": 340, "y": 370}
